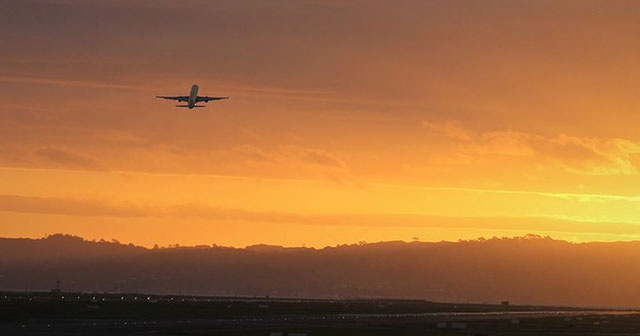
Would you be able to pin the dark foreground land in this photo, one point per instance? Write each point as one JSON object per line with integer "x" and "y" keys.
{"x": 137, "y": 314}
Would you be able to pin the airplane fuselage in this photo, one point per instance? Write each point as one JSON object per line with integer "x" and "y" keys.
{"x": 193, "y": 95}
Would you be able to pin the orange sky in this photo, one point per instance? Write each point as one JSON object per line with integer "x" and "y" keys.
{"x": 349, "y": 120}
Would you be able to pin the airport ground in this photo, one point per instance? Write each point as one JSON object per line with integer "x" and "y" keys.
{"x": 44, "y": 313}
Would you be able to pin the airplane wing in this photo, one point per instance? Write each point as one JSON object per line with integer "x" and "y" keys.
{"x": 178, "y": 98}
{"x": 208, "y": 99}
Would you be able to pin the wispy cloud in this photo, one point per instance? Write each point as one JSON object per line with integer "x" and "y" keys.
{"x": 66, "y": 82}
{"x": 94, "y": 208}
{"x": 580, "y": 155}
{"x": 65, "y": 206}
{"x": 508, "y": 143}
{"x": 314, "y": 156}
{"x": 291, "y": 154}
{"x": 583, "y": 197}
{"x": 253, "y": 153}
{"x": 121, "y": 137}
{"x": 63, "y": 158}
{"x": 448, "y": 129}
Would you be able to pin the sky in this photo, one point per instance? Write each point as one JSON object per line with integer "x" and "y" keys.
{"x": 349, "y": 121}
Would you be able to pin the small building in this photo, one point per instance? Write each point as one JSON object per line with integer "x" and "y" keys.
{"x": 458, "y": 325}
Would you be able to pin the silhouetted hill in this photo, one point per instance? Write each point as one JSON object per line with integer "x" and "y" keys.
{"x": 59, "y": 246}
{"x": 528, "y": 270}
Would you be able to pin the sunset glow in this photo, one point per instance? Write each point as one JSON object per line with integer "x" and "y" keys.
{"x": 348, "y": 121}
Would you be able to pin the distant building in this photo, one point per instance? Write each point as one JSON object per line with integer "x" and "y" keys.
{"x": 458, "y": 325}
{"x": 504, "y": 303}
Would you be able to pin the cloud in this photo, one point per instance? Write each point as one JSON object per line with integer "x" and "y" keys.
{"x": 291, "y": 154}
{"x": 121, "y": 137}
{"x": 65, "y": 206}
{"x": 65, "y": 82}
{"x": 95, "y": 208}
{"x": 314, "y": 156}
{"x": 253, "y": 153}
{"x": 509, "y": 143}
{"x": 581, "y": 155}
{"x": 594, "y": 156}
{"x": 65, "y": 159}
{"x": 448, "y": 129}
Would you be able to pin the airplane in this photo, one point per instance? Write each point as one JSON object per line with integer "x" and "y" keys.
{"x": 192, "y": 99}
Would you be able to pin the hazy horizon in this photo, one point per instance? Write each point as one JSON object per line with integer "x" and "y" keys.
{"x": 317, "y": 247}
{"x": 526, "y": 270}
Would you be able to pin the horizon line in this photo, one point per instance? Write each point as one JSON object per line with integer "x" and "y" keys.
{"x": 482, "y": 239}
